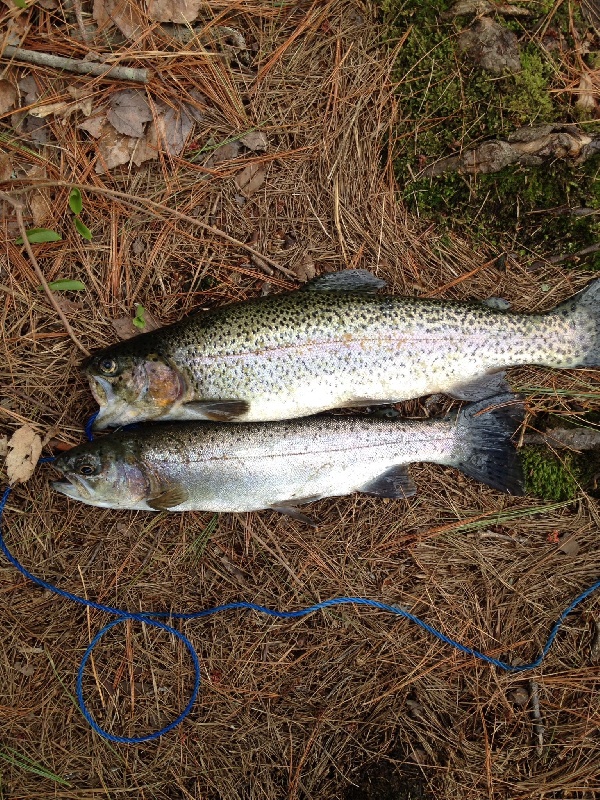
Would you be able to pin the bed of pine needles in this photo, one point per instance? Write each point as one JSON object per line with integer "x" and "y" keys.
{"x": 348, "y": 703}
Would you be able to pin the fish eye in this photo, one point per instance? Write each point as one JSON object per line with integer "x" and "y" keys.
{"x": 87, "y": 469}
{"x": 108, "y": 366}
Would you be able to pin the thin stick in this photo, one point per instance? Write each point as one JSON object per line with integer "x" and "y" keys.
{"x": 163, "y": 210}
{"x": 19, "y": 215}
{"x": 80, "y": 22}
{"x": 593, "y": 248}
{"x": 458, "y": 280}
{"x": 76, "y": 65}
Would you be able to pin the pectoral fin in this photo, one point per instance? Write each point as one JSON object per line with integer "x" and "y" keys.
{"x": 168, "y": 499}
{"x": 218, "y": 410}
{"x": 348, "y": 280}
{"x": 395, "y": 482}
{"x": 481, "y": 388}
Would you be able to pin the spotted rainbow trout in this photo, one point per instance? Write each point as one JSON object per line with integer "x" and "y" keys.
{"x": 333, "y": 343}
{"x": 284, "y": 465}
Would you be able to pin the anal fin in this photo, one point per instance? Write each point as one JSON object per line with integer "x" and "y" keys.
{"x": 481, "y": 388}
{"x": 290, "y": 509}
{"x": 394, "y": 482}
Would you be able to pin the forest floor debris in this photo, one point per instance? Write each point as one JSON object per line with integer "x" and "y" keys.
{"x": 346, "y": 704}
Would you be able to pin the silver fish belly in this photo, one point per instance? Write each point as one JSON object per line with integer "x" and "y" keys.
{"x": 283, "y": 465}
{"x": 299, "y": 353}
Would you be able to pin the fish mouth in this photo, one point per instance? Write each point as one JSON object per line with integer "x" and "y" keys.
{"x": 103, "y": 392}
{"x": 75, "y": 487}
{"x": 115, "y": 415}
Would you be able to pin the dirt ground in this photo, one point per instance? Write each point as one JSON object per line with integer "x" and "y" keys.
{"x": 258, "y": 153}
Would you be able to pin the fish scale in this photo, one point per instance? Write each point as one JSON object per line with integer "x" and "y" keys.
{"x": 298, "y": 353}
{"x": 283, "y": 465}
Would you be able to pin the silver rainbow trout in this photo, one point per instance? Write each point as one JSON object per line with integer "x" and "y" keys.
{"x": 283, "y": 465}
{"x": 333, "y": 343}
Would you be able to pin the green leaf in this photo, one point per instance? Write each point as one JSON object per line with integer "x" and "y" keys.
{"x": 65, "y": 285}
{"x": 40, "y": 235}
{"x": 83, "y": 229}
{"x": 75, "y": 201}
{"x": 140, "y": 319}
{"x": 20, "y": 3}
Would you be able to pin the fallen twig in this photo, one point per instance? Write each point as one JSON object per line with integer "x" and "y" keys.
{"x": 529, "y": 146}
{"x": 566, "y": 438}
{"x": 19, "y": 216}
{"x": 76, "y": 65}
{"x": 593, "y": 248}
{"x": 595, "y": 648}
{"x": 132, "y": 200}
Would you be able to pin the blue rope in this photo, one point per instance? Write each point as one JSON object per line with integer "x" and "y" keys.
{"x": 153, "y": 618}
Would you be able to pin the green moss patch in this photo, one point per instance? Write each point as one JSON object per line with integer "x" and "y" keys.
{"x": 548, "y": 477}
{"x": 448, "y": 104}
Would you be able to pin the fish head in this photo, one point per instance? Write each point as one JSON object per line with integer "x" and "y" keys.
{"x": 102, "y": 473}
{"x": 131, "y": 387}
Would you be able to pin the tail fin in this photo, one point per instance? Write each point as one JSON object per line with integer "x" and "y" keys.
{"x": 485, "y": 450}
{"x": 584, "y": 309}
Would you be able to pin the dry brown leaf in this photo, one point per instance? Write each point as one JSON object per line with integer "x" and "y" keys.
{"x": 192, "y": 108}
{"x": 225, "y": 152}
{"x": 94, "y": 125}
{"x": 175, "y": 126}
{"x": 41, "y": 209}
{"x": 3, "y": 446}
{"x": 25, "y": 448}
{"x": 5, "y": 166}
{"x": 114, "y": 149}
{"x": 17, "y": 29}
{"x": 8, "y": 96}
{"x": 251, "y": 178}
{"x": 68, "y": 306}
{"x": 62, "y": 109}
{"x": 146, "y": 147}
{"x": 125, "y": 329}
{"x": 39, "y": 201}
{"x": 121, "y": 13}
{"x": 29, "y": 90}
{"x": 255, "y": 140}
{"x": 128, "y": 112}
{"x": 305, "y": 268}
{"x": 168, "y": 131}
{"x": 26, "y": 669}
{"x": 174, "y": 10}
{"x": 586, "y": 99}
{"x": 569, "y": 545}
{"x": 78, "y": 92}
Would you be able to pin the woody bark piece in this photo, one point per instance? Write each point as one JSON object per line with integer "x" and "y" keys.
{"x": 75, "y": 65}
{"x": 529, "y": 146}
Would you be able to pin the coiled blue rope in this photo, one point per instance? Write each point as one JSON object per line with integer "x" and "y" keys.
{"x": 153, "y": 618}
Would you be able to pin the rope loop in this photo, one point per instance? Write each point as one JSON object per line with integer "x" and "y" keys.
{"x": 174, "y": 723}
{"x": 153, "y": 619}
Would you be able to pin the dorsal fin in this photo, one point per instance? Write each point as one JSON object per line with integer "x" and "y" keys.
{"x": 348, "y": 280}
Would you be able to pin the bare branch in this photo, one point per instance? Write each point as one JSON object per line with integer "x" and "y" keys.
{"x": 76, "y": 65}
